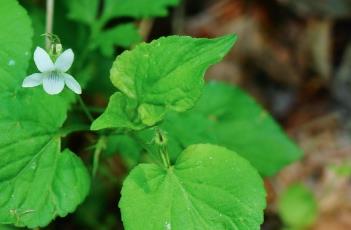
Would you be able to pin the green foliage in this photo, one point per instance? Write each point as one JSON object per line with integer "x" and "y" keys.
{"x": 156, "y": 84}
{"x": 37, "y": 180}
{"x": 15, "y": 42}
{"x": 149, "y": 91}
{"x": 37, "y": 17}
{"x": 123, "y": 36}
{"x": 126, "y": 147}
{"x": 227, "y": 116}
{"x": 101, "y": 36}
{"x": 118, "y": 114}
{"x": 297, "y": 207}
{"x": 136, "y": 8}
{"x": 209, "y": 187}
{"x": 84, "y": 11}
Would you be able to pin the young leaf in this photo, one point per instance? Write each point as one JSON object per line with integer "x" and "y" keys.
{"x": 297, "y": 206}
{"x": 121, "y": 112}
{"x": 166, "y": 74}
{"x": 209, "y": 187}
{"x": 37, "y": 180}
{"x": 226, "y": 116}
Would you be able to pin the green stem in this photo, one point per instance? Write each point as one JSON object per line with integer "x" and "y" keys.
{"x": 92, "y": 109}
{"x": 165, "y": 157}
{"x": 145, "y": 147}
{"x": 85, "y": 109}
{"x": 161, "y": 143}
{"x": 100, "y": 146}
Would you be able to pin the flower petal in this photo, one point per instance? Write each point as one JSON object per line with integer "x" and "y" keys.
{"x": 33, "y": 80}
{"x": 43, "y": 60}
{"x": 65, "y": 60}
{"x": 72, "y": 83}
{"x": 53, "y": 83}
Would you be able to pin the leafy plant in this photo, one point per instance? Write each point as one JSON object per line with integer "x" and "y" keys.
{"x": 87, "y": 12}
{"x": 226, "y": 116}
{"x": 160, "y": 107}
{"x": 32, "y": 160}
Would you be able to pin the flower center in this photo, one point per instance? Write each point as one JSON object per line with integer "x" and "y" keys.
{"x": 54, "y": 75}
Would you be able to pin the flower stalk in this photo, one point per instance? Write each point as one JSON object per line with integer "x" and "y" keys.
{"x": 50, "y": 4}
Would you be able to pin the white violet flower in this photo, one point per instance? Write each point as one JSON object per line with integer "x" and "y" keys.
{"x": 53, "y": 76}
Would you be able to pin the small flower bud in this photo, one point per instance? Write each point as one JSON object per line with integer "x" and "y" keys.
{"x": 56, "y": 49}
{"x": 160, "y": 138}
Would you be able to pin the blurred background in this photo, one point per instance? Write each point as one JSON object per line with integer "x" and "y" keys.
{"x": 293, "y": 57}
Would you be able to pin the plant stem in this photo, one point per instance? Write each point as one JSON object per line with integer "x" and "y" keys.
{"x": 85, "y": 109}
{"x": 178, "y": 19}
{"x": 164, "y": 156}
{"x": 100, "y": 146}
{"x": 49, "y": 20}
{"x": 153, "y": 156}
{"x": 145, "y": 27}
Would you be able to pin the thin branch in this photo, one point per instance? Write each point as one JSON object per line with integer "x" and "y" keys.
{"x": 85, "y": 109}
{"x": 145, "y": 28}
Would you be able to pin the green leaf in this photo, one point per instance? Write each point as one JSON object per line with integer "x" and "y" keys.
{"x": 84, "y": 11}
{"x": 15, "y": 42}
{"x": 7, "y": 227}
{"x": 136, "y": 8}
{"x": 297, "y": 206}
{"x": 37, "y": 181}
{"x": 37, "y": 16}
{"x": 121, "y": 112}
{"x": 227, "y": 116}
{"x": 123, "y": 35}
{"x": 177, "y": 128}
{"x": 162, "y": 76}
{"x": 209, "y": 187}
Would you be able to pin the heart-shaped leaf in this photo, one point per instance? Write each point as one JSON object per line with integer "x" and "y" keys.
{"x": 209, "y": 187}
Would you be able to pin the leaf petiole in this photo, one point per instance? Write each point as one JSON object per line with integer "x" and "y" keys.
{"x": 161, "y": 145}
{"x": 100, "y": 146}
{"x": 85, "y": 109}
